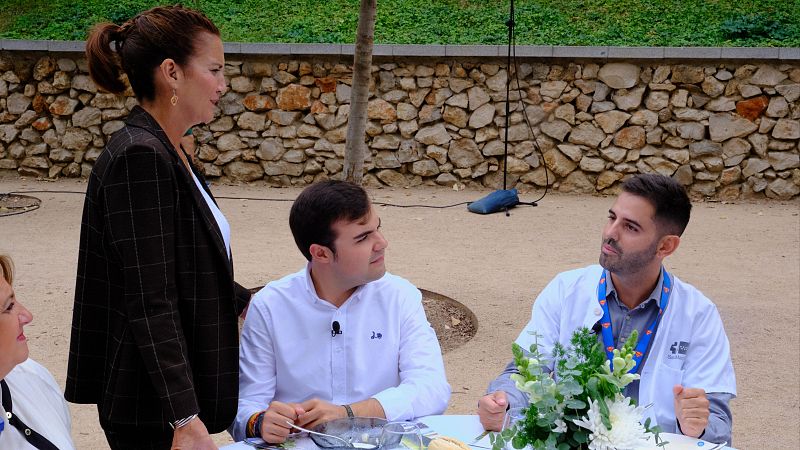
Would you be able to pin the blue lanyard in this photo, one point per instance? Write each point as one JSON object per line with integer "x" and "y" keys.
{"x": 644, "y": 340}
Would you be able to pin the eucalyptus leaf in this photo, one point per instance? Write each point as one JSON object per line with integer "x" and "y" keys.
{"x": 574, "y": 403}
{"x": 604, "y": 413}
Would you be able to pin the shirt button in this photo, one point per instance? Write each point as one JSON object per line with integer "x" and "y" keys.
{"x": 598, "y": 312}
{"x": 628, "y": 318}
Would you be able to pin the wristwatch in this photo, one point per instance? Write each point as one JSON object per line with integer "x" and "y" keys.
{"x": 182, "y": 422}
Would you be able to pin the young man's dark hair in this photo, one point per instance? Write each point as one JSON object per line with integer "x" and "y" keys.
{"x": 319, "y": 206}
{"x": 669, "y": 199}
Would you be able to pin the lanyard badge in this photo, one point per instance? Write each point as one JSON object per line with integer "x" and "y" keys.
{"x": 644, "y": 340}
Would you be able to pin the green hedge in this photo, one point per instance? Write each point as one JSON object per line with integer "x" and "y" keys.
{"x": 539, "y": 22}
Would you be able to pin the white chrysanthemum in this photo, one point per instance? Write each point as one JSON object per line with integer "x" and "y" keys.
{"x": 626, "y": 431}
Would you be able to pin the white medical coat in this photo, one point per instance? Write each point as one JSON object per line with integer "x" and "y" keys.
{"x": 690, "y": 347}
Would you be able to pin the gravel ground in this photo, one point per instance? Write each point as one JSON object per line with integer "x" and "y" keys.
{"x": 744, "y": 256}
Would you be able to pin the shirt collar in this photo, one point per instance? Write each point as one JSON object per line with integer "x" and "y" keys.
{"x": 654, "y": 297}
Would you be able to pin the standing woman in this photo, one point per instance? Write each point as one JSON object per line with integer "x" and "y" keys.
{"x": 154, "y": 329}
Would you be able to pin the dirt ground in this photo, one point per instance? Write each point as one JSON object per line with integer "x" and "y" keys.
{"x": 744, "y": 256}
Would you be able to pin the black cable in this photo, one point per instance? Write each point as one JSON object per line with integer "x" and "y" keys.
{"x": 41, "y": 192}
{"x": 250, "y": 198}
{"x": 530, "y": 127}
{"x": 421, "y": 206}
{"x": 255, "y": 198}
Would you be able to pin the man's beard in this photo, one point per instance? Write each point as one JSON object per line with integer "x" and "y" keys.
{"x": 626, "y": 263}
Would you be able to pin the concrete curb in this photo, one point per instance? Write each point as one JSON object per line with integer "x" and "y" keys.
{"x": 788, "y": 54}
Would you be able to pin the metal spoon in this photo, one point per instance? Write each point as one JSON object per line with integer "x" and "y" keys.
{"x": 260, "y": 443}
{"x": 346, "y": 443}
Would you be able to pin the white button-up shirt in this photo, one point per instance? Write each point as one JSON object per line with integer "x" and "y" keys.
{"x": 38, "y": 401}
{"x": 387, "y": 350}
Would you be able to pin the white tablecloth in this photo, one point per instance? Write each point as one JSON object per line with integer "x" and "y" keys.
{"x": 467, "y": 428}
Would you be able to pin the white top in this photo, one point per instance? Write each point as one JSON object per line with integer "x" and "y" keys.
{"x": 39, "y": 403}
{"x": 222, "y": 222}
{"x": 387, "y": 350}
{"x": 690, "y": 346}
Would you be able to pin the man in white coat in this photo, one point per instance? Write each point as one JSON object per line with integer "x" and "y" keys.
{"x": 684, "y": 360}
{"x": 341, "y": 337}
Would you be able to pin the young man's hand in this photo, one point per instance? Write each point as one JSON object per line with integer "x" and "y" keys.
{"x": 319, "y": 411}
{"x": 274, "y": 427}
{"x": 492, "y": 409}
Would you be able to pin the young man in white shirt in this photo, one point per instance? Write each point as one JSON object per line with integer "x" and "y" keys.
{"x": 686, "y": 370}
{"x": 341, "y": 337}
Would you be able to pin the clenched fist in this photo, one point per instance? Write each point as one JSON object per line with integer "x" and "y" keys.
{"x": 691, "y": 410}
{"x": 492, "y": 409}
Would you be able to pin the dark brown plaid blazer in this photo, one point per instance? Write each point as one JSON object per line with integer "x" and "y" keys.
{"x": 154, "y": 327}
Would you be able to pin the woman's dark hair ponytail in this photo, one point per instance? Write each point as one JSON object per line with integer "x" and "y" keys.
{"x": 104, "y": 65}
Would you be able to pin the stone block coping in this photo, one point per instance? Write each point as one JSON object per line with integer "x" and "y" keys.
{"x": 788, "y": 54}
{"x": 581, "y": 52}
{"x": 692, "y": 52}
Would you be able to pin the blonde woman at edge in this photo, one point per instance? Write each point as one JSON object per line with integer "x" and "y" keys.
{"x": 33, "y": 412}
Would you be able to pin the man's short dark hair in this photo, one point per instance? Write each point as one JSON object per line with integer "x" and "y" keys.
{"x": 319, "y": 206}
{"x": 669, "y": 199}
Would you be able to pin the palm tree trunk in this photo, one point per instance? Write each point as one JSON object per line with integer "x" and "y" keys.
{"x": 355, "y": 146}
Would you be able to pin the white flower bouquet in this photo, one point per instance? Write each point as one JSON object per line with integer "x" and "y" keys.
{"x": 580, "y": 403}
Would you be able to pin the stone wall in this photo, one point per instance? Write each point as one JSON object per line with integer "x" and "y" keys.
{"x": 725, "y": 129}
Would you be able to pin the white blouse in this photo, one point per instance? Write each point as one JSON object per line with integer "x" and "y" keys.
{"x": 39, "y": 403}
{"x": 222, "y": 222}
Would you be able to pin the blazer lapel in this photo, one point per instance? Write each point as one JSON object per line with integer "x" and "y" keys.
{"x": 138, "y": 117}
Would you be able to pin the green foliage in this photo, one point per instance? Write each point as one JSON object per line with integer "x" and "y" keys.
{"x": 753, "y": 27}
{"x": 538, "y": 22}
{"x": 582, "y": 374}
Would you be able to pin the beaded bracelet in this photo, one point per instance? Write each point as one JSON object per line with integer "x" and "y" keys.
{"x": 254, "y": 424}
{"x": 257, "y": 427}
{"x": 249, "y": 432}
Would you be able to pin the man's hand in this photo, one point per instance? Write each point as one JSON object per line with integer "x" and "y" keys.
{"x": 492, "y": 409}
{"x": 192, "y": 436}
{"x": 691, "y": 410}
{"x": 274, "y": 428}
{"x": 319, "y": 411}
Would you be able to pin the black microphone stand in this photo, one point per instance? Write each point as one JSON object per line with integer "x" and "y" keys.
{"x": 505, "y": 197}
{"x": 510, "y": 25}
